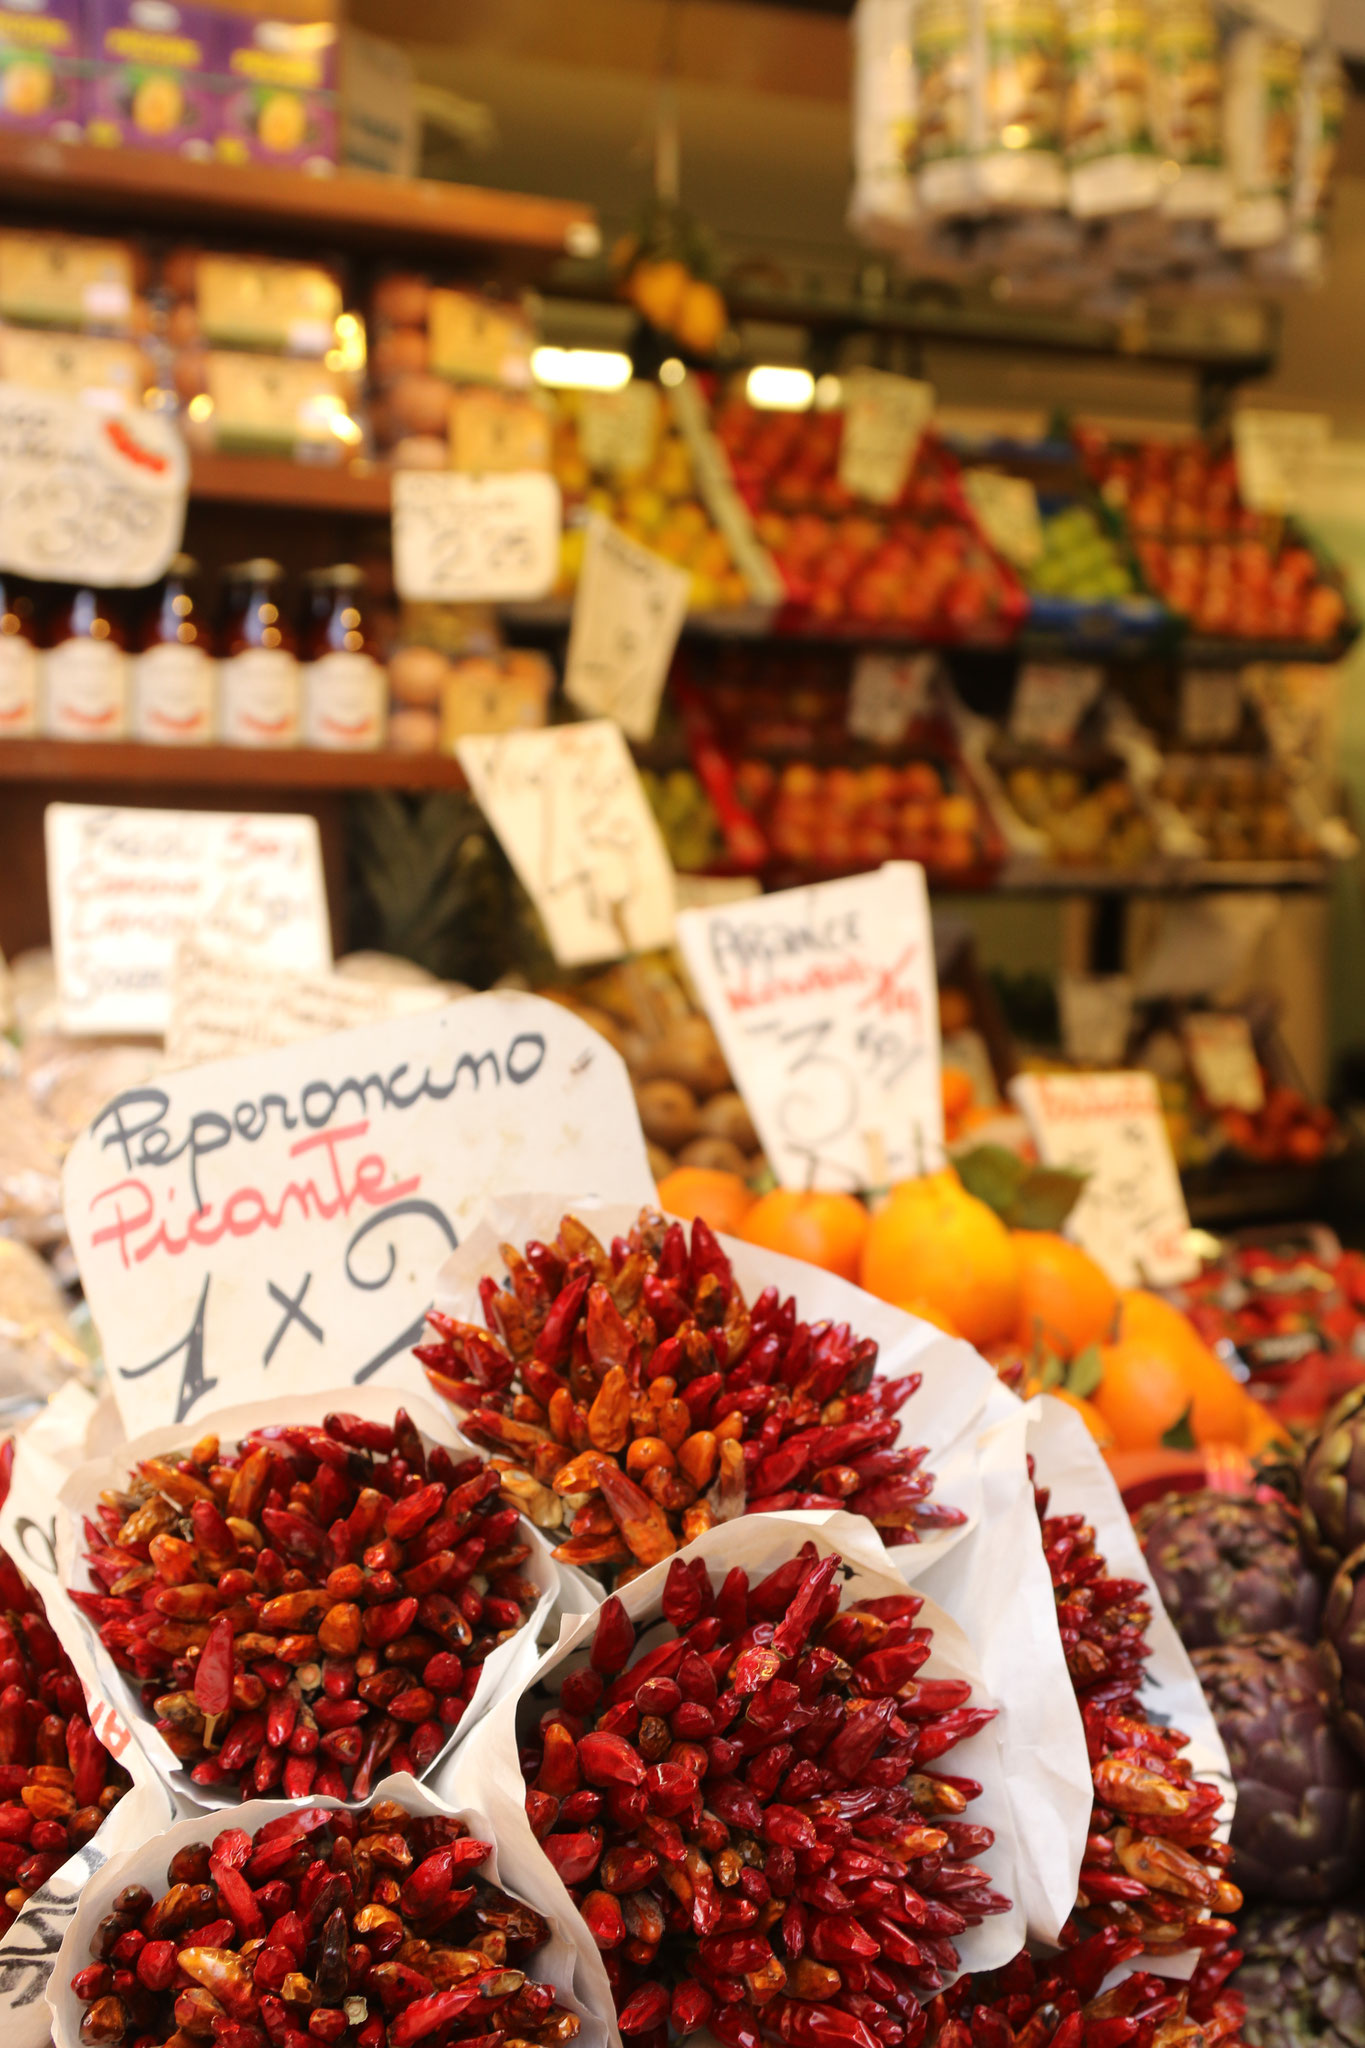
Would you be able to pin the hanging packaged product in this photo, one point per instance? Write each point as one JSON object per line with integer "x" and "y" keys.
{"x": 345, "y": 689}
{"x": 1187, "y": 108}
{"x": 173, "y": 674}
{"x": 1260, "y": 119}
{"x": 1113, "y": 166}
{"x": 85, "y": 669}
{"x": 258, "y": 675}
{"x": 1322, "y": 107}
{"x": 18, "y": 663}
{"x": 949, "y": 105}
{"x": 882, "y": 206}
{"x": 1025, "y": 51}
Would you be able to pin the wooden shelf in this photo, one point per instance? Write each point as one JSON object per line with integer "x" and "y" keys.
{"x": 350, "y": 209}
{"x": 300, "y": 486}
{"x": 244, "y": 768}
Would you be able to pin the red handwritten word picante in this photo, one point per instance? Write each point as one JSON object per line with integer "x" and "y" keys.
{"x": 140, "y": 1227}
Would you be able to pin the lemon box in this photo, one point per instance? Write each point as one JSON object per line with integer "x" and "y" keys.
{"x": 40, "y": 51}
{"x": 151, "y": 81}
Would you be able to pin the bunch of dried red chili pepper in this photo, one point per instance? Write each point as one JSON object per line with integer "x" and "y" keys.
{"x": 310, "y": 1606}
{"x": 57, "y": 1780}
{"x": 323, "y": 1927}
{"x": 634, "y": 1396}
{"x": 746, "y": 1816}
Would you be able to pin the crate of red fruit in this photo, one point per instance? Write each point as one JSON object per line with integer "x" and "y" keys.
{"x": 765, "y": 1779}
{"x": 824, "y": 821}
{"x": 294, "y": 1601}
{"x": 919, "y": 569}
{"x": 377, "y": 1927}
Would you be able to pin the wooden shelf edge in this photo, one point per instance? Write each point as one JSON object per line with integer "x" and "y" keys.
{"x": 109, "y": 763}
{"x": 297, "y": 486}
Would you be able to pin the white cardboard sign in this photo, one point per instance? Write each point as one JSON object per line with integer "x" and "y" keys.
{"x": 1131, "y": 1215}
{"x": 1006, "y": 508}
{"x": 888, "y": 693}
{"x": 1224, "y": 1059}
{"x": 219, "y": 1013}
{"x": 1273, "y": 449}
{"x": 568, "y": 805}
{"x": 618, "y": 431}
{"x": 884, "y": 417}
{"x": 1050, "y": 699}
{"x": 628, "y": 612}
{"x": 88, "y": 496}
{"x": 272, "y": 1224}
{"x": 461, "y": 539}
{"x": 125, "y": 886}
{"x": 825, "y": 1002}
{"x": 1210, "y": 705}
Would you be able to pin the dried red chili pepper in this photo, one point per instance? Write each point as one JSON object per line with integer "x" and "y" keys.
{"x": 640, "y": 1400}
{"x": 333, "y": 1594}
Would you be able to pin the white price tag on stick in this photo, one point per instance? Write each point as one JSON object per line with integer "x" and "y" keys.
{"x": 889, "y": 692}
{"x": 87, "y": 496}
{"x": 825, "y": 1002}
{"x": 1006, "y": 508}
{"x": 1131, "y": 1215}
{"x": 619, "y": 430}
{"x": 273, "y": 1224}
{"x": 627, "y": 614}
{"x": 884, "y": 417}
{"x": 464, "y": 539}
{"x": 1223, "y": 1056}
{"x": 568, "y": 806}
{"x": 1273, "y": 449}
{"x": 126, "y": 886}
{"x": 1050, "y": 700}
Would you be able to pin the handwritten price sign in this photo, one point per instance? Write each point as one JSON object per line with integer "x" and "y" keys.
{"x": 628, "y": 612}
{"x": 126, "y": 886}
{"x": 574, "y": 821}
{"x": 272, "y": 1224}
{"x": 826, "y": 1004}
{"x": 884, "y": 417}
{"x": 459, "y": 539}
{"x": 1131, "y": 1216}
{"x": 94, "y": 497}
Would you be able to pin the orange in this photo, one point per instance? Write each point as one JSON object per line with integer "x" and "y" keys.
{"x": 956, "y": 1089}
{"x": 1089, "y": 1414}
{"x": 935, "y": 1243}
{"x": 721, "y": 1199}
{"x": 1142, "y": 1395}
{"x": 1263, "y": 1430}
{"x": 1066, "y": 1301}
{"x": 927, "y": 1313}
{"x": 826, "y": 1230}
{"x": 1218, "y": 1402}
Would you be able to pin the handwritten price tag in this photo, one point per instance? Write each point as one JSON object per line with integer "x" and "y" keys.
{"x": 1210, "y": 705}
{"x": 94, "y": 497}
{"x": 627, "y": 614}
{"x": 825, "y": 1001}
{"x": 1224, "y": 1059}
{"x": 1050, "y": 700}
{"x": 889, "y": 692}
{"x": 274, "y": 1224}
{"x": 618, "y": 430}
{"x": 459, "y": 539}
{"x": 126, "y": 886}
{"x": 1131, "y": 1216}
{"x": 216, "y": 1012}
{"x": 573, "y": 819}
{"x": 1007, "y": 510}
{"x": 1273, "y": 449}
{"x": 884, "y": 417}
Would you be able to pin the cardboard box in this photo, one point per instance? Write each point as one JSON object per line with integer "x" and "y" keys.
{"x": 40, "y": 82}
{"x": 151, "y": 81}
{"x": 380, "y": 129}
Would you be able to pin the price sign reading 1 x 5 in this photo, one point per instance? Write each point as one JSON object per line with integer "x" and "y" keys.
{"x": 463, "y": 539}
{"x": 826, "y": 1004}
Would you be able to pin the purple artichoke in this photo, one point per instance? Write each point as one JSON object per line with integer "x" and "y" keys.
{"x": 1229, "y": 1565}
{"x": 1343, "y": 1648}
{"x": 1299, "y": 1830}
{"x": 1334, "y": 1484}
{"x": 1303, "y": 1978}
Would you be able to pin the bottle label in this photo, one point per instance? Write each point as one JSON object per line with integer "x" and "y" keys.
{"x": 258, "y": 697}
{"x": 18, "y": 687}
{"x": 345, "y": 700}
{"x": 173, "y": 696}
{"x": 86, "y": 690}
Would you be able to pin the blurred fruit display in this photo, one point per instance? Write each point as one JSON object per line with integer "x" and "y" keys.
{"x": 1292, "y": 1309}
{"x": 1084, "y": 804}
{"x": 920, "y": 566}
{"x": 1231, "y": 572}
{"x": 1229, "y": 1565}
{"x": 1302, "y": 1977}
{"x": 1242, "y": 806}
{"x": 841, "y": 819}
{"x": 686, "y": 818}
{"x": 1080, "y": 559}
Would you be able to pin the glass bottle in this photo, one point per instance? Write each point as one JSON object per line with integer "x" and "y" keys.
{"x": 85, "y": 666}
{"x": 173, "y": 677}
{"x": 345, "y": 688}
{"x": 258, "y": 675}
{"x": 19, "y": 662}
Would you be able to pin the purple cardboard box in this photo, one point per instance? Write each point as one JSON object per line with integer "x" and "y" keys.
{"x": 152, "y": 75}
{"x": 40, "y": 52}
{"x": 279, "y": 101}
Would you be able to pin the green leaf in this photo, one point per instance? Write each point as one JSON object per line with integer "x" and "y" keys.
{"x": 994, "y": 1175}
{"x": 1086, "y": 1373}
{"x": 1180, "y": 1437}
{"x": 1051, "y": 1372}
{"x": 1045, "y": 1198}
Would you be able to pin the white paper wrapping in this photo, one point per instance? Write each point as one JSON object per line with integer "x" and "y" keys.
{"x": 989, "y": 1574}
{"x": 147, "y": 1865}
{"x": 487, "y": 1764}
{"x": 503, "y": 1671}
{"x": 1068, "y": 1461}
